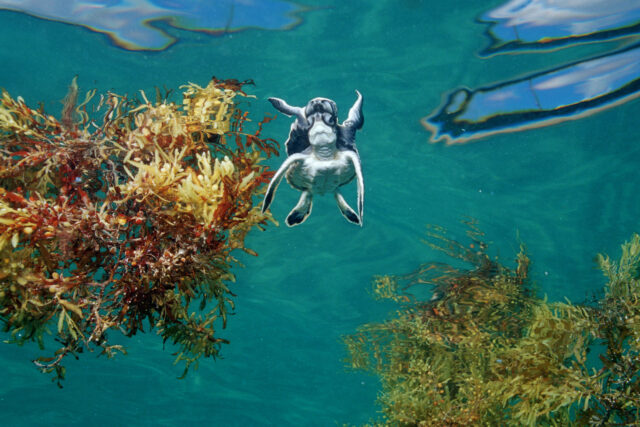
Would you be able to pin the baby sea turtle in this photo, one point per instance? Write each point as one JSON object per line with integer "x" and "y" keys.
{"x": 322, "y": 156}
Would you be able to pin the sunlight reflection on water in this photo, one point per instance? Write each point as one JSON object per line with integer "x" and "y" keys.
{"x": 568, "y": 92}
{"x": 134, "y": 24}
{"x": 545, "y": 24}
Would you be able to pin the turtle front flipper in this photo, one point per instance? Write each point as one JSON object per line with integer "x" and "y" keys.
{"x": 354, "y": 122}
{"x": 349, "y": 214}
{"x": 355, "y": 119}
{"x": 302, "y": 210}
{"x": 282, "y": 106}
{"x": 355, "y": 159}
{"x": 275, "y": 181}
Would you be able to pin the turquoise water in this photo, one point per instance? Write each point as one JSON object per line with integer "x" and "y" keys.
{"x": 568, "y": 191}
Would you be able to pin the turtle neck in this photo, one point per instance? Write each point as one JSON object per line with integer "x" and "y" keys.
{"x": 323, "y": 140}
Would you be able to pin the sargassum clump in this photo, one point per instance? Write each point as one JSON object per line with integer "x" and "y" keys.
{"x": 126, "y": 210}
{"x": 486, "y": 350}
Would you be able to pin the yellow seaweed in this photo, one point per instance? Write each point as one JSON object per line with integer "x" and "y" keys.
{"x": 487, "y": 351}
{"x": 124, "y": 212}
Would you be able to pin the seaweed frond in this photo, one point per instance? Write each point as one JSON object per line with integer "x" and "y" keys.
{"x": 485, "y": 350}
{"x": 126, "y": 212}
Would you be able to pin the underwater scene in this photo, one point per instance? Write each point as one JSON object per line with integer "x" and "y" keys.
{"x": 453, "y": 240}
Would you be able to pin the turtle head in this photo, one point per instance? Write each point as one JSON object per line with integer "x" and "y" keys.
{"x": 321, "y": 114}
{"x": 322, "y": 109}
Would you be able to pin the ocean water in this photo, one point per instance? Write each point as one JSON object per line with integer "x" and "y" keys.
{"x": 568, "y": 191}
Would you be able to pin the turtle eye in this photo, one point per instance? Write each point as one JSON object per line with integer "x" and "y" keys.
{"x": 328, "y": 119}
{"x": 330, "y": 107}
{"x": 311, "y": 119}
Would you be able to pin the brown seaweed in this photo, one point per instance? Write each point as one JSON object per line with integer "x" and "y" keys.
{"x": 486, "y": 350}
{"x": 127, "y": 221}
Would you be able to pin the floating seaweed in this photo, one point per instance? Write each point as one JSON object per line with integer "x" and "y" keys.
{"x": 108, "y": 223}
{"x": 485, "y": 350}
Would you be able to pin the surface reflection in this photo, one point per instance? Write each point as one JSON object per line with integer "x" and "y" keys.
{"x": 139, "y": 24}
{"x": 567, "y": 92}
{"x": 545, "y": 24}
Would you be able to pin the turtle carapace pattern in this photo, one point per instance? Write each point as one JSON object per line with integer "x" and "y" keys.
{"x": 321, "y": 157}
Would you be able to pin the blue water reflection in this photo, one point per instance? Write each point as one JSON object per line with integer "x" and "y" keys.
{"x": 133, "y": 24}
{"x": 545, "y": 24}
{"x": 567, "y": 92}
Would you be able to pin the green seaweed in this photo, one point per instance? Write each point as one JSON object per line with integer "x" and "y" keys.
{"x": 125, "y": 213}
{"x": 486, "y": 350}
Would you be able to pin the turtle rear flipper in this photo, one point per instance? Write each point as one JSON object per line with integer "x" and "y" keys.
{"x": 349, "y": 214}
{"x": 357, "y": 166}
{"x": 302, "y": 210}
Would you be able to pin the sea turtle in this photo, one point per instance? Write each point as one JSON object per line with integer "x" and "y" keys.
{"x": 322, "y": 156}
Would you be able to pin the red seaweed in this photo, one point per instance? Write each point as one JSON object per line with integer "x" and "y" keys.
{"x": 109, "y": 225}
